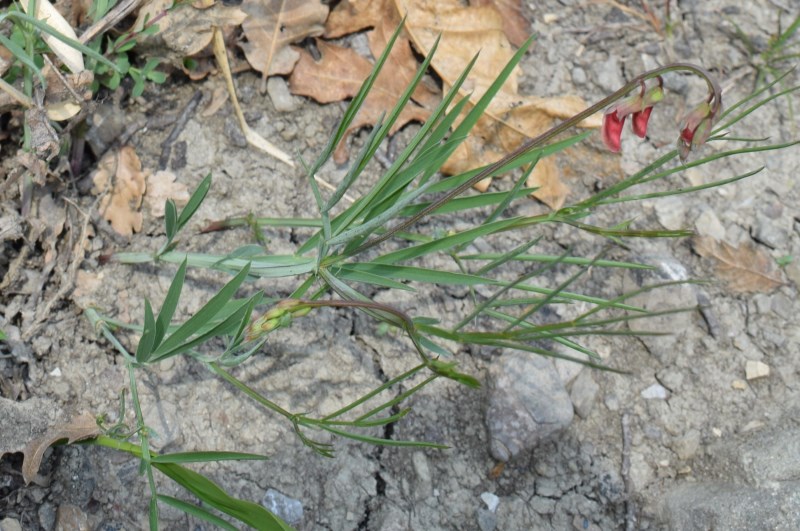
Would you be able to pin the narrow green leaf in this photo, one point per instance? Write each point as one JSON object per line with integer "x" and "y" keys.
{"x": 381, "y": 442}
{"x": 209, "y": 492}
{"x": 146, "y": 344}
{"x": 204, "y": 315}
{"x": 170, "y": 304}
{"x": 153, "y": 514}
{"x": 202, "y": 457}
{"x": 170, "y": 219}
{"x": 197, "y": 512}
{"x": 418, "y": 274}
{"x": 194, "y": 202}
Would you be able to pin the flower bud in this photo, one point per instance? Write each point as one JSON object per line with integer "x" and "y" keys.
{"x": 695, "y": 128}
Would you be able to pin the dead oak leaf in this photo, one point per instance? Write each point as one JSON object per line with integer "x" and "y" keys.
{"x": 121, "y": 172}
{"x": 339, "y": 75}
{"x": 744, "y": 269}
{"x": 162, "y": 186}
{"x": 272, "y": 25}
{"x": 511, "y": 118}
{"x": 380, "y": 15}
{"x": 515, "y": 26}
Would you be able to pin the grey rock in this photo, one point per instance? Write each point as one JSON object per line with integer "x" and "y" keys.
{"x": 671, "y": 212}
{"x": 733, "y": 507}
{"x": 708, "y": 224}
{"x": 583, "y": 394}
{"x": 527, "y": 404}
{"x": 655, "y": 392}
{"x": 606, "y": 75}
{"x": 686, "y": 446}
{"x": 10, "y": 524}
{"x": 770, "y": 233}
{"x": 578, "y": 75}
{"x": 47, "y": 515}
{"x": 487, "y": 520}
{"x": 290, "y": 509}
{"x": 278, "y": 91}
{"x": 71, "y": 518}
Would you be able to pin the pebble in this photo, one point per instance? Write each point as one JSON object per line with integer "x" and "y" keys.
{"x": 606, "y": 75}
{"x": 671, "y": 212}
{"x": 739, "y": 385}
{"x": 487, "y": 520}
{"x": 770, "y": 233}
{"x": 290, "y": 509}
{"x": 583, "y": 394}
{"x": 10, "y": 524}
{"x": 708, "y": 224}
{"x": 278, "y": 91}
{"x": 756, "y": 369}
{"x": 491, "y": 500}
{"x": 527, "y": 404}
{"x": 578, "y": 75}
{"x": 655, "y": 392}
{"x": 71, "y": 518}
{"x": 686, "y": 446}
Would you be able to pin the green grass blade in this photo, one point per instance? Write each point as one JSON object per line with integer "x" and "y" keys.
{"x": 23, "y": 57}
{"x": 418, "y": 274}
{"x": 570, "y": 260}
{"x": 381, "y": 442}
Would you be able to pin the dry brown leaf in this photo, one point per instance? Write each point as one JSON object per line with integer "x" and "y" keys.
{"x": 121, "y": 172}
{"x": 338, "y": 75}
{"x": 162, "y": 186}
{"x": 511, "y": 118}
{"x": 272, "y": 25}
{"x": 186, "y": 30}
{"x": 515, "y": 26}
{"x": 381, "y": 15}
{"x": 746, "y": 268}
{"x": 79, "y": 428}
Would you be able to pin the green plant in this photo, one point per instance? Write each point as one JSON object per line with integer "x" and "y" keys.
{"x": 345, "y": 253}
{"x": 117, "y": 51}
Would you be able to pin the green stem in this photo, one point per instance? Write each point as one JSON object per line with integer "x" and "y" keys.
{"x": 715, "y": 96}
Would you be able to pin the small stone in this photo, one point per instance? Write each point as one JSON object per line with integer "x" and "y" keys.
{"x": 549, "y": 18}
{"x": 487, "y": 520}
{"x": 716, "y": 432}
{"x": 756, "y": 369}
{"x": 289, "y": 509}
{"x": 10, "y": 524}
{"x": 278, "y": 91}
{"x": 686, "y": 446}
{"x": 655, "y": 392}
{"x": 583, "y": 394}
{"x": 543, "y": 505}
{"x": 527, "y": 404}
{"x": 55, "y": 373}
{"x": 770, "y": 233}
{"x": 708, "y": 224}
{"x": 578, "y": 75}
{"x": 671, "y": 212}
{"x": 605, "y": 74}
{"x": 739, "y": 385}
{"x": 71, "y": 518}
{"x": 491, "y": 500}
{"x": 548, "y": 488}
{"x": 47, "y": 515}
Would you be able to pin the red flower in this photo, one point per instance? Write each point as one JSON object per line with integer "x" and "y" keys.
{"x": 695, "y": 128}
{"x": 640, "y": 106}
{"x": 640, "y": 121}
{"x": 612, "y": 130}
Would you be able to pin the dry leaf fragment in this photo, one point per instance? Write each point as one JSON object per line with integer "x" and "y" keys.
{"x": 186, "y": 30}
{"x": 746, "y": 268}
{"x": 121, "y": 171}
{"x": 515, "y": 26}
{"x": 79, "y": 428}
{"x": 338, "y": 75}
{"x": 162, "y": 186}
{"x": 272, "y": 25}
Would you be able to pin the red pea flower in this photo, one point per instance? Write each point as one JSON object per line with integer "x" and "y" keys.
{"x": 696, "y": 128}
{"x": 640, "y": 106}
